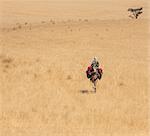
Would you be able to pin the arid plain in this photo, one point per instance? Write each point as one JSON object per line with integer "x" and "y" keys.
{"x": 45, "y": 48}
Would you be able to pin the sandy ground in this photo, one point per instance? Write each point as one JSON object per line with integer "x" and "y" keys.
{"x": 45, "y": 50}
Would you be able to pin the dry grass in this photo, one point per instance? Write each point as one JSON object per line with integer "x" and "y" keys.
{"x": 43, "y": 74}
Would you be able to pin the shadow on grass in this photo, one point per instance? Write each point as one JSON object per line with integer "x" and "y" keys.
{"x": 84, "y": 91}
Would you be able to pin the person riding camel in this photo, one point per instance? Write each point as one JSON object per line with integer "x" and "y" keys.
{"x": 94, "y": 68}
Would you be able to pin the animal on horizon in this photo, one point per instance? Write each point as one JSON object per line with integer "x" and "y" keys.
{"x": 135, "y": 12}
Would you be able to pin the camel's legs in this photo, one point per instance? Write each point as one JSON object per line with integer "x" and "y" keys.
{"x": 94, "y": 86}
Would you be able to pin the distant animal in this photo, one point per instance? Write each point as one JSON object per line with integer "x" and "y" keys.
{"x": 135, "y": 12}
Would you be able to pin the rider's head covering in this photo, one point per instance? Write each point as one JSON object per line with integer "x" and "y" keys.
{"x": 95, "y": 59}
{"x": 95, "y": 62}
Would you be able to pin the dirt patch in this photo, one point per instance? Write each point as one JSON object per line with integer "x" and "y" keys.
{"x": 7, "y": 60}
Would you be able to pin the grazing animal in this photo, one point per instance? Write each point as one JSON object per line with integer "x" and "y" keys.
{"x": 135, "y": 12}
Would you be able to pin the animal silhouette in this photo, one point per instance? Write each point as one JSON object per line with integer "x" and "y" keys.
{"x": 135, "y": 12}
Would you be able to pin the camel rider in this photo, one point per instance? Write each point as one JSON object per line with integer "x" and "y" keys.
{"x": 95, "y": 63}
{"x": 94, "y": 68}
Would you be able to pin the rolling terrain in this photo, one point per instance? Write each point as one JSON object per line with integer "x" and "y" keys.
{"x": 44, "y": 55}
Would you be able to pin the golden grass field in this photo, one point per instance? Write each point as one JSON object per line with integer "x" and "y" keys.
{"x": 45, "y": 48}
